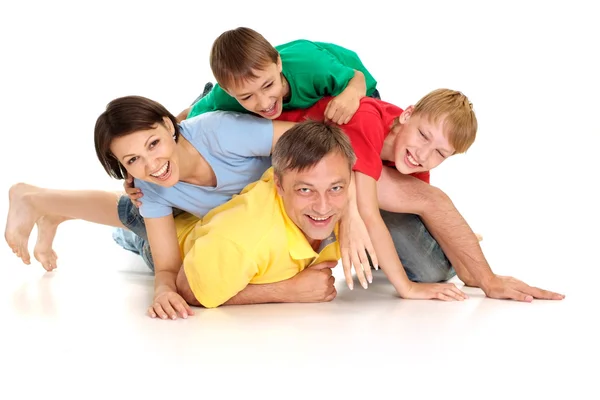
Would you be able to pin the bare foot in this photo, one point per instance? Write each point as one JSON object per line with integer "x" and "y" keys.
{"x": 21, "y": 218}
{"x": 43, "y": 251}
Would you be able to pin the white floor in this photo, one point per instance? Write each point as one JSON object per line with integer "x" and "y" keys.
{"x": 527, "y": 185}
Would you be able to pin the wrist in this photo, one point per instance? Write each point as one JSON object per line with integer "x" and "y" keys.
{"x": 485, "y": 282}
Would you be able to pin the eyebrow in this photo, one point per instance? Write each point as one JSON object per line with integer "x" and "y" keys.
{"x": 131, "y": 155}
{"x": 267, "y": 81}
{"x": 302, "y": 183}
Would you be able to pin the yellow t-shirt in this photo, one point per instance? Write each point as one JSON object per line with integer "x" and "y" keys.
{"x": 248, "y": 240}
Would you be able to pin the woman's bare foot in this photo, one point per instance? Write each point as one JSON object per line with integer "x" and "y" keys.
{"x": 21, "y": 218}
{"x": 43, "y": 251}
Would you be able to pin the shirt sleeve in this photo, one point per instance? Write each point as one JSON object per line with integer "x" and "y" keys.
{"x": 244, "y": 135}
{"x": 331, "y": 76}
{"x": 153, "y": 206}
{"x": 217, "y": 269}
{"x": 366, "y": 134}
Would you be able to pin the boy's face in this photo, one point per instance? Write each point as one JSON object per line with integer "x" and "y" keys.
{"x": 263, "y": 95}
{"x": 420, "y": 144}
{"x": 314, "y": 199}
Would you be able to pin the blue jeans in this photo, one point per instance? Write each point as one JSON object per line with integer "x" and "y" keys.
{"x": 135, "y": 237}
{"x": 421, "y": 255}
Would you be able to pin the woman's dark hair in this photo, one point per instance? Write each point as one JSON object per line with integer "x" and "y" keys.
{"x": 122, "y": 117}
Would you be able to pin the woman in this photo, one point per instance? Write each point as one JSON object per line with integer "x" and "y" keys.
{"x": 193, "y": 166}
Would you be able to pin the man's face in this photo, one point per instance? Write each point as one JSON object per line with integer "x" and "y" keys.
{"x": 315, "y": 198}
{"x": 420, "y": 144}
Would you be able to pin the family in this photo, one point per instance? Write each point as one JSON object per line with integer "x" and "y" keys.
{"x": 289, "y": 164}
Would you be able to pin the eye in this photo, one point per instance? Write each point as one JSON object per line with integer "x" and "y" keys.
{"x": 131, "y": 160}
{"x": 269, "y": 85}
{"x": 440, "y": 153}
{"x": 424, "y": 137}
{"x": 154, "y": 143}
{"x": 336, "y": 188}
{"x": 304, "y": 190}
{"x": 246, "y": 98}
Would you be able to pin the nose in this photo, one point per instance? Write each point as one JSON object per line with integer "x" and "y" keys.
{"x": 422, "y": 154}
{"x": 321, "y": 206}
{"x": 264, "y": 101}
{"x": 152, "y": 165}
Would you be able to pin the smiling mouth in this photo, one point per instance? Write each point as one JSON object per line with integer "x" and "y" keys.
{"x": 411, "y": 160}
{"x": 163, "y": 173}
{"x": 319, "y": 221}
{"x": 271, "y": 110}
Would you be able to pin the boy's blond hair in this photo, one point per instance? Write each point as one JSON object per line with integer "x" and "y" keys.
{"x": 235, "y": 53}
{"x": 460, "y": 123}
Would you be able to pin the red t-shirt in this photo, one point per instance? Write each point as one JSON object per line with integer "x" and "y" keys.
{"x": 367, "y": 130}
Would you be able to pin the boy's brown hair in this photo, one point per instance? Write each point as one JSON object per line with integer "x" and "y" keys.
{"x": 460, "y": 123}
{"x": 235, "y": 53}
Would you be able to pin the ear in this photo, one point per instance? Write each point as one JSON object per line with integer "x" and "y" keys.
{"x": 278, "y": 185}
{"x": 279, "y": 64}
{"x": 169, "y": 125}
{"x": 405, "y": 116}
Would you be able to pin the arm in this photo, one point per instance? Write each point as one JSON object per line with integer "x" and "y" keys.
{"x": 184, "y": 114}
{"x": 313, "y": 284}
{"x": 384, "y": 246}
{"x": 453, "y": 234}
{"x": 279, "y": 128}
{"x": 342, "y": 107}
{"x": 162, "y": 236}
{"x": 368, "y": 205}
{"x": 406, "y": 194}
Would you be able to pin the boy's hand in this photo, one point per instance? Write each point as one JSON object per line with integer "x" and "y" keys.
{"x": 441, "y": 291}
{"x": 132, "y": 192}
{"x": 341, "y": 108}
{"x": 356, "y": 248}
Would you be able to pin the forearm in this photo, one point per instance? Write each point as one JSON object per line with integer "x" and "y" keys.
{"x": 357, "y": 84}
{"x": 389, "y": 261}
{"x": 183, "y": 115}
{"x": 456, "y": 239}
{"x": 165, "y": 280}
{"x": 265, "y": 293}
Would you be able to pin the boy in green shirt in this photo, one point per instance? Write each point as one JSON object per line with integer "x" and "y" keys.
{"x": 293, "y": 75}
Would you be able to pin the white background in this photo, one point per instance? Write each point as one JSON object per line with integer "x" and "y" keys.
{"x": 529, "y": 67}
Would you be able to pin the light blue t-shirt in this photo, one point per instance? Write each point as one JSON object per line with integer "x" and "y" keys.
{"x": 238, "y": 148}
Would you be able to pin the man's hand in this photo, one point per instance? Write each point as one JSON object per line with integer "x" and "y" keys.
{"x": 132, "y": 192}
{"x": 440, "y": 291}
{"x": 167, "y": 304}
{"x": 341, "y": 108}
{"x": 314, "y": 284}
{"x": 507, "y": 287}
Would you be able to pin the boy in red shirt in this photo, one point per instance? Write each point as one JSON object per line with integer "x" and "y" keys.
{"x": 395, "y": 151}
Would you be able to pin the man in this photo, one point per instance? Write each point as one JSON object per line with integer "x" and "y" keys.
{"x": 395, "y": 151}
{"x": 276, "y": 228}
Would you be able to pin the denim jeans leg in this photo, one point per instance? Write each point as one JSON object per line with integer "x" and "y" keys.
{"x": 421, "y": 255}
{"x": 135, "y": 237}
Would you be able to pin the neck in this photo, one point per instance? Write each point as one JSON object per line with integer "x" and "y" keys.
{"x": 193, "y": 168}
{"x": 286, "y": 89}
{"x": 315, "y": 244}
{"x": 387, "y": 151}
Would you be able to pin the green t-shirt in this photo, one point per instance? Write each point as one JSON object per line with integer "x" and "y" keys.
{"x": 313, "y": 70}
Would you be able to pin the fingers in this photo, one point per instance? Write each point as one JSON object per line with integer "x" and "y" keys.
{"x": 151, "y": 312}
{"x": 324, "y": 265}
{"x": 542, "y": 294}
{"x": 347, "y": 265}
{"x": 361, "y": 271}
{"x": 181, "y": 309}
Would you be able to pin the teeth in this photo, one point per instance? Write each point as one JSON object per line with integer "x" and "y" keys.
{"x": 268, "y": 110}
{"x": 412, "y": 160}
{"x": 161, "y": 171}
{"x": 318, "y": 219}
